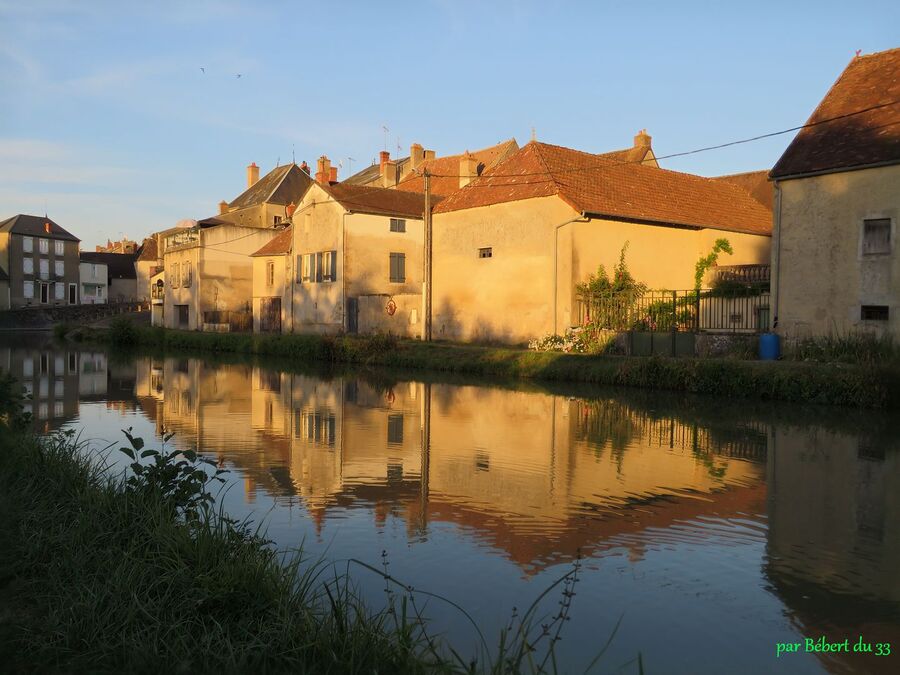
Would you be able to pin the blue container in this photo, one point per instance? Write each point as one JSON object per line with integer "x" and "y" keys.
{"x": 769, "y": 347}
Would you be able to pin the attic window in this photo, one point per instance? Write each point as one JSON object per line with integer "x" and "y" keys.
{"x": 876, "y": 236}
{"x": 874, "y": 313}
{"x": 398, "y": 225}
{"x": 486, "y": 252}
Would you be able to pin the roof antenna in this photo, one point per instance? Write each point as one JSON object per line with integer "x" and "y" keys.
{"x": 293, "y": 157}
{"x": 386, "y": 130}
{"x": 533, "y": 134}
{"x": 278, "y": 161}
{"x": 858, "y": 52}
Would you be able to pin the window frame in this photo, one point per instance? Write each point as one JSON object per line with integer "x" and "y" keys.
{"x": 398, "y": 225}
{"x": 27, "y": 244}
{"x": 270, "y": 273}
{"x": 485, "y": 252}
{"x": 399, "y": 267}
{"x": 43, "y": 245}
{"x": 59, "y": 247}
{"x": 865, "y": 243}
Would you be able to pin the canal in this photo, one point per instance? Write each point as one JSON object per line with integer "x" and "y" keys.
{"x": 709, "y": 531}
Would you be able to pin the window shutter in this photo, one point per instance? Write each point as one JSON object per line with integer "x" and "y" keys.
{"x": 401, "y": 267}
{"x": 318, "y": 267}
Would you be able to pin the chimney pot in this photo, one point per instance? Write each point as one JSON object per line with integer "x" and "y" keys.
{"x": 429, "y": 154}
{"x": 252, "y": 174}
{"x": 642, "y": 139}
{"x": 323, "y": 170}
{"x": 223, "y": 207}
{"x": 305, "y": 167}
{"x": 290, "y": 209}
{"x": 47, "y": 228}
{"x": 385, "y": 156}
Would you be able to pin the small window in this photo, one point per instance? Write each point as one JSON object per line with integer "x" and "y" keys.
{"x": 28, "y": 265}
{"x": 27, "y": 244}
{"x": 59, "y": 268}
{"x": 876, "y": 236}
{"x": 398, "y": 225}
{"x": 28, "y": 290}
{"x": 175, "y": 278}
{"x": 59, "y": 291}
{"x": 187, "y": 275}
{"x": 329, "y": 261}
{"x": 59, "y": 247}
{"x": 874, "y": 313}
{"x": 486, "y": 252}
{"x": 307, "y": 264}
{"x": 270, "y": 273}
{"x": 45, "y": 266}
{"x": 276, "y": 220}
{"x": 44, "y": 245}
{"x": 398, "y": 268}
{"x": 395, "y": 429}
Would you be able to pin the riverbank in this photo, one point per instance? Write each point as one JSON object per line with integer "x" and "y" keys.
{"x": 853, "y": 385}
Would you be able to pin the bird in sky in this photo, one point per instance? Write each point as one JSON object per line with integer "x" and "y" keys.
{"x": 203, "y": 70}
{"x": 238, "y": 76}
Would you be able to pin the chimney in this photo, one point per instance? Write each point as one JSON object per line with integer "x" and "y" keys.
{"x": 323, "y": 170}
{"x": 252, "y": 174}
{"x": 385, "y": 157}
{"x": 416, "y": 155}
{"x": 332, "y": 177}
{"x": 290, "y": 209}
{"x": 429, "y": 154}
{"x": 389, "y": 174}
{"x": 223, "y": 207}
{"x": 468, "y": 169}
{"x": 305, "y": 167}
{"x": 642, "y": 140}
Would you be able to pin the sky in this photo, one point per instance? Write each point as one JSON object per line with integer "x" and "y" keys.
{"x": 119, "y": 119}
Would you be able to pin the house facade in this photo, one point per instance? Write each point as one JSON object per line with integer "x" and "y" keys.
{"x": 94, "y": 278}
{"x": 122, "y": 276}
{"x": 272, "y": 284}
{"x": 41, "y": 260}
{"x": 835, "y": 261}
{"x": 510, "y": 247}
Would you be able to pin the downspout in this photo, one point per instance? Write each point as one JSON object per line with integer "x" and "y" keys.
{"x": 345, "y": 327}
{"x": 580, "y": 218}
{"x": 777, "y": 233}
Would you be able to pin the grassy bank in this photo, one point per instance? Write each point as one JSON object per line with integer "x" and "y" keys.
{"x": 866, "y": 385}
{"x": 99, "y": 574}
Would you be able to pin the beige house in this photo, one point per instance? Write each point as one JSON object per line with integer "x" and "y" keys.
{"x": 272, "y": 283}
{"x": 512, "y": 244}
{"x": 41, "y": 260}
{"x": 836, "y": 267}
{"x": 94, "y": 278}
{"x": 354, "y": 263}
{"x": 147, "y": 262}
{"x": 264, "y": 203}
{"x": 122, "y": 278}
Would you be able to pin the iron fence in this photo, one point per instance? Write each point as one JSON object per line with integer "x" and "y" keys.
{"x": 744, "y": 310}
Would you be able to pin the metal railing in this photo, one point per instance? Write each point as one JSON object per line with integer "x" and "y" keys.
{"x": 739, "y": 309}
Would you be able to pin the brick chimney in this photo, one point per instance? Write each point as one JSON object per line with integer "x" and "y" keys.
{"x": 332, "y": 176}
{"x": 389, "y": 174}
{"x": 223, "y": 207}
{"x": 468, "y": 169}
{"x": 385, "y": 156}
{"x": 429, "y": 154}
{"x": 323, "y": 170}
{"x": 305, "y": 167}
{"x": 252, "y": 174}
{"x": 289, "y": 211}
{"x": 642, "y": 140}
{"x": 416, "y": 155}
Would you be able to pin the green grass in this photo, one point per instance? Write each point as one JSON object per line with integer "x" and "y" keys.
{"x": 865, "y": 383}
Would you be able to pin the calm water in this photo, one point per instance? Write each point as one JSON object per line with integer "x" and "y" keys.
{"x": 714, "y": 530}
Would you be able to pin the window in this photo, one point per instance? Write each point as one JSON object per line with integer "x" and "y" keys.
{"x": 45, "y": 266}
{"x": 318, "y": 267}
{"x": 44, "y": 245}
{"x": 398, "y": 225}
{"x": 874, "y": 313}
{"x": 72, "y": 365}
{"x": 398, "y": 268}
{"x": 93, "y": 271}
{"x": 486, "y": 252}
{"x": 59, "y": 291}
{"x": 175, "y": 281}
{"x": 270, "y": 273}
{"x": 187, "y": 274}
{"x": 59, "y": 247}
{"x": 304, "y": 268}
{"x": 28, "y": 290}
{"x": 276, "y": 220}
{"x": 329, "y": 266}
{"x": 876, "y": 236}
{"x": 28, "y": 265}
{"x": 395, "y": 429}
{"x": 27, "y": 244}
{"x": 59, "y": 268}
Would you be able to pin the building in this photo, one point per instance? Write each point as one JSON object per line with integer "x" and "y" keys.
{"x": 94, "y": 276}
{"x": 4, "y": 290}
{"x": 122, "y": 277}
{"x": 272, "y": 283}
{"x": 147, "y": 262}
{"x": 511, "y": 245}
{"x": 835, "y": 259}
{"x": 355, "y": 260}
{"x": 41, "y": 261}
{"x": 264, "y": 203}
{"x": 125, "y": 246}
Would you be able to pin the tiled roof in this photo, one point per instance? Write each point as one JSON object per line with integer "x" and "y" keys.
{"x": 634, "y": 154}
{"x": 378, "y": 201}
{"x": 148, "y": 250}
{"x": 372, "y": 173}
{"x": 277, "y": 246}
{"x": 282, "y": 185}
{"x": 757, "y": 183}
{"x": 120, "y": 265}
{"x": 446, "y": 169}
{"x": 35, "y": 226}
{"x": 859, "y": 140}
{"x": 604, "y": 187}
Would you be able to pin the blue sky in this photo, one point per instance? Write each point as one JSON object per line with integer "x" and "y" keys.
{"x": 107, "y": 121}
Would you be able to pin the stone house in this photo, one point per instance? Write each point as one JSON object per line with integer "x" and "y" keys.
{"x": 122, "y": 277}
{"x": 271, "y": 283}
{"x": 511, "y": 245}
{"x": 41, "y": 260}
{"x": 835, "y": 257}
{"x": 94, "y": 279}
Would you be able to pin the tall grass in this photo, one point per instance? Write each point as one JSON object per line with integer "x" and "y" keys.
{"x": 859, "y": 348}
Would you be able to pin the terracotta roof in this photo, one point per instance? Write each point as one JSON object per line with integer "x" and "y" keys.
{"x": 860, "y": 140}
{"x": 446, "y": 169}
{"x": 35, "y": 226}
{"x": 148, "y": 250}
{"x": 600, "y": 186}
{"x": 120, "y": 265}
{"x": 277, "y": 246}
{"x": 757, "y": 183}
{"x": 372, "y": 173}
{"x": 282, "y": 185}
{"x": 377, "y": 201}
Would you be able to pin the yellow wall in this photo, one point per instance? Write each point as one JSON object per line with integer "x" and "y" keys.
{"x": 278, "y": 289}
{"x": 824, "y": 279}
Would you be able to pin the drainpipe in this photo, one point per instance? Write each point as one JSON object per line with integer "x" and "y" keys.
{"x": 344, "y": 325}
{"x": 776, "y": 231}
{"x": 580, "y": 218}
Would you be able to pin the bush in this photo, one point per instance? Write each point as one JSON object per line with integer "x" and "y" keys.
{"x": 122, "y": 332}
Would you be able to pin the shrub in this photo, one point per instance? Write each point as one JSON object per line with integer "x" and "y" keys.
{"x": 123, "y": 332}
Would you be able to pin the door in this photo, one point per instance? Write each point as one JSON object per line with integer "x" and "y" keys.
{"x": 45, "y": 293}
{"x": 270, "y": 315}
{"x": 73, "y": 297}
{"x": 183, "y": 321}
{"x": 352, "y": 315}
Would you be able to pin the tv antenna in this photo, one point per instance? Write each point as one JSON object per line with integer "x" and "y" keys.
{"x": 350, "y": 161}
{"x": 386, "y": 130}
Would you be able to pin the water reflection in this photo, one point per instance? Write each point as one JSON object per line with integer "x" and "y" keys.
{"x": 714, "y": 509}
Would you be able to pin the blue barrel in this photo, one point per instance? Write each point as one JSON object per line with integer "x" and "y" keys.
{"x": 769, "y": 347}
